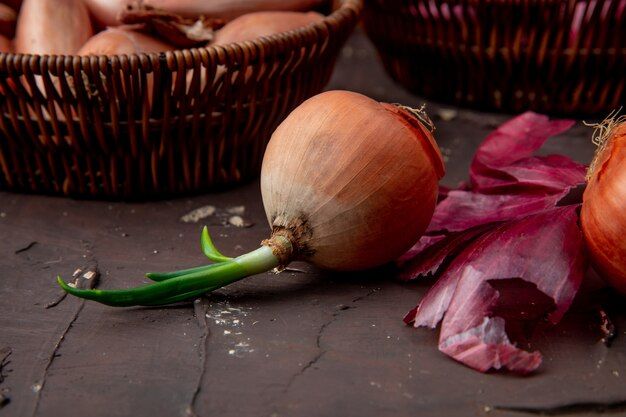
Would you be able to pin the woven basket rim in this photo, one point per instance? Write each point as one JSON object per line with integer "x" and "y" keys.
{"x": 492, "y": 2}
{"x": 340, "y": 14}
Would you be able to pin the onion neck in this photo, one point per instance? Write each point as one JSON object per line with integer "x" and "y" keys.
{"x": 282, "y": 246}
{"x": 420, "y": 124}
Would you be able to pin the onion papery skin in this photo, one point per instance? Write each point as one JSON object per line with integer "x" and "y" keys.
{"x": 603, "y": 215}
{"x": 52, "y": 27}
{"x": 106, "y": 12}
{"x": 351, "y": 182}
{"x": 122, "y": 40}
{"x": 256, "y": 25}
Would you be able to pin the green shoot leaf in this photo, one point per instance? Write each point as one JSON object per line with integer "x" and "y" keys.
{"x": 209, "y": 249}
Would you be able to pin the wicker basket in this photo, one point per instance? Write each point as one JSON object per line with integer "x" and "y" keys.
{"x": 149, "y": 125}
{"x": 556, "y": 56}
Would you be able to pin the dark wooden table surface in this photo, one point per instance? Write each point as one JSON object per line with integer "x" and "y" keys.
{"x": 294, "y": 344}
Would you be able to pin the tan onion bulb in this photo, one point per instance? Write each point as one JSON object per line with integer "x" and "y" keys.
{"x": 603, "y": 214}
{"x": 351, "y": 181}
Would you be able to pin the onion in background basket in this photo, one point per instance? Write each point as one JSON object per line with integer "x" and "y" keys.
{"x": 106, "y": 12}
{"x": 52, "y": 27}
{"x": 255, "y": 25}
{"x": 97, "y": 129}
{"x": 125, "y": 40}
{"x": 122, "y": 40}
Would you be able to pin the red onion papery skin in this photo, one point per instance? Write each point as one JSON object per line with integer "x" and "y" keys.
{"x": 429, "y": 261}
{"x": 462, "y": 210}
{"x": 504, "y": 162}
{"x": 506, "y": 248}
{"x": 508, "y": 182}
{"x": 52, "y": 27}
{"x": 603, "y": 215}
{"x": 543, "y": 249}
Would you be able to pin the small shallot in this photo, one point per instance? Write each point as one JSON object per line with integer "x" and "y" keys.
{"x": 255, "y": 25}
{"x": 107, "y": 12}
{"x": 122, "y": 40}
{"x": 50, "y": 27}
{"x": 125, "y": 40}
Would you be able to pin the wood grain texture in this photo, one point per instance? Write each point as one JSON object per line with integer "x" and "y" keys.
{"x": 305, "y": 344}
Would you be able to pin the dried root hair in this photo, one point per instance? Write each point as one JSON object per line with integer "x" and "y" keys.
{"x": 420, "y": 114}
{"x": 602, "y": 132}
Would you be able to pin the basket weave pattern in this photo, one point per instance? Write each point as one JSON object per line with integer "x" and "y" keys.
{"x": 151, "y": 125}
{"x": 559, "y": 56}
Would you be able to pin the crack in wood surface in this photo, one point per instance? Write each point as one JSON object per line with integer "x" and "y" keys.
{"x": 201, "y": 308}
{"x": 5, "y": 352}
{"x": 569, "y": 409}
{"x": 25, "y": 248}
{"x": 321, "y": 352}
{"x": 369, "y": 293}
{"x": 318, "y": 340}
{"x": 86, "y": 282}
{"x": 39, "y": 385}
